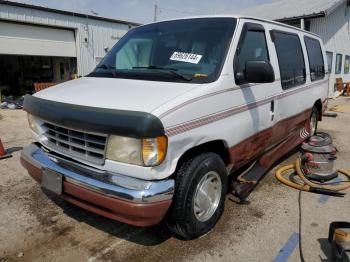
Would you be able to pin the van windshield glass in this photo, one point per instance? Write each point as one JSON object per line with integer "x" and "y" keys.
{"x": 189, "y": 50}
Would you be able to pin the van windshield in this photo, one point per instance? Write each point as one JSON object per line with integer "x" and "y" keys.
{"x": 188, "y": 50}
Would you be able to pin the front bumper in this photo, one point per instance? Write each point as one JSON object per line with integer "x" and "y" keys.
{"x": 129, "y": 200}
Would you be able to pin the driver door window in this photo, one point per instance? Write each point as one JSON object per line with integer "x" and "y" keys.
{"x": 252, "y": 47}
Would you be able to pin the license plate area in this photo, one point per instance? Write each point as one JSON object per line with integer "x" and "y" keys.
{"x": 52, "y": 181}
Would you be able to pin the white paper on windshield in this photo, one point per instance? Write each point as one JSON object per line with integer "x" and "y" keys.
{"x": 186, "y": 57}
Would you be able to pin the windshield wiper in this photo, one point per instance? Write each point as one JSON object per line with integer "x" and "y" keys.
{"x": 170, "y": 70}
{"x": 104, "y": 66}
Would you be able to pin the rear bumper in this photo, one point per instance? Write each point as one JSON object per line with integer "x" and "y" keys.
{"x": 129, "y": 200}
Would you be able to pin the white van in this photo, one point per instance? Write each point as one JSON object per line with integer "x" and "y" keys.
{"x": 173, "y": 109}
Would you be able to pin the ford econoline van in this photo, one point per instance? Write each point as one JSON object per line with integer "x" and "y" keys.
{"x": 173, "y": 109}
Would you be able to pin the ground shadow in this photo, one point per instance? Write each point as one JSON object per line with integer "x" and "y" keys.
{"x": 326, "y": 249}
{"x": 148, "y": 236}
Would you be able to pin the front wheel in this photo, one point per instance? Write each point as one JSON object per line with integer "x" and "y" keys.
{"x": 200, "y": 192}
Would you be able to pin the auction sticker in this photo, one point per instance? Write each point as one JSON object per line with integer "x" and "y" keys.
{"x": 186, "y": 57}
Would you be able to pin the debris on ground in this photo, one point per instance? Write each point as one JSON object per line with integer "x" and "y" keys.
{"x": 54, "y": 219}
{"x": 330, "y": 114}
{"x": 341, "y": 108}
{"x": 10, "y": 103}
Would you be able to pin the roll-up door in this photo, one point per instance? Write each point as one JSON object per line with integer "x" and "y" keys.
{"x": 25, "y": 39}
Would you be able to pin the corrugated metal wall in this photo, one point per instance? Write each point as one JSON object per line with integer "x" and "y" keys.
{"x": 99, "y": 34}
{"x": 334, "y": 30}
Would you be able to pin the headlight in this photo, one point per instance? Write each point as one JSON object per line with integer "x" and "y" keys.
{"x": 33, "y": 124}
{"x": 124, "y": 149}
{"x": 143, "y": 152}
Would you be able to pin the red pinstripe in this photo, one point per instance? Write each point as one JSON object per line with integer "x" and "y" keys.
{"x": 183, "y": 127}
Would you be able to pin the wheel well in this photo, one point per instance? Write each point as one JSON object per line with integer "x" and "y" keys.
{"x": 218, "y": 146}
{"x": 318, "y": 105}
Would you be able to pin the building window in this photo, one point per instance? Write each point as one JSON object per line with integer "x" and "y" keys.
{"x": 346, "y": 64}
{"x": 330, "y": 61}
{"x": 253, "y": 48}
{"x": 307, "y": 25}
{"x": 290, "y": 59}
{"x": 338, "y": 63}
{"x": 316, "y": 63}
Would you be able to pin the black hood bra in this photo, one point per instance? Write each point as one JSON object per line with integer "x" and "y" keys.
{"x": 93, "y": 119}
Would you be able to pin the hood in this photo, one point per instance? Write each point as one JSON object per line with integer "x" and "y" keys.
{"x": 116, "y": 93}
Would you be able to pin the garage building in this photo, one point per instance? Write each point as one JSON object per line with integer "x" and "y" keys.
{"x": 39, "y": 44}
{"x": 330, "y": 19}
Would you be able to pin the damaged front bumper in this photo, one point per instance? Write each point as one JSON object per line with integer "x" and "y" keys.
{"x": 130, "y": 200}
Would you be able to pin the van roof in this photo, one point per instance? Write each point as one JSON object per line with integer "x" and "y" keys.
{"x": 242, "y": 17}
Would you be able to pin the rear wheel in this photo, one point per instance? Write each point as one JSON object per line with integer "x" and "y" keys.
{"x": 200, "y": 192}
{"x": 313, "y": 121}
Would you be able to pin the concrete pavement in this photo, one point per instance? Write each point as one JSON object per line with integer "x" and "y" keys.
{"x": 37, "y": 226}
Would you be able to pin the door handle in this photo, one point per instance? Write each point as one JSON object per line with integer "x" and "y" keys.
{"x": 272, "y": 109}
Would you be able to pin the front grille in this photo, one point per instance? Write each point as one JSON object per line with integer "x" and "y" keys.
{"x": 85, "y": 146}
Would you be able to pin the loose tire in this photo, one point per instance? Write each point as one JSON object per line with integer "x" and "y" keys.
{"x": 200, "y": 192}
{"x": 313, "y": 121}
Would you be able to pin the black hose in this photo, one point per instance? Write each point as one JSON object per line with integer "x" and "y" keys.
{"x": 300, "y": 228}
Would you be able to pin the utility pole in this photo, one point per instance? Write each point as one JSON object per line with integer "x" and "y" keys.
{"x": 155, "y": 12}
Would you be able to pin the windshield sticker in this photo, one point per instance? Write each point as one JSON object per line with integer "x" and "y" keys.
{"x": 186, "y": 57}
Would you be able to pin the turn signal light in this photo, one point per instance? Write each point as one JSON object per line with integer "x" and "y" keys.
{"x": 154, "y": 150}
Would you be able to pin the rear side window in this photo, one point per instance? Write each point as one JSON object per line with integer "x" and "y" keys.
{"x": 316, "y": 63}
{"x": 338, "y": 63}
{"x": 330, "y": 61}
{"x": 252, "y": 47}
{"x": 346, "y": 64}
{"x": 290, "y": 59}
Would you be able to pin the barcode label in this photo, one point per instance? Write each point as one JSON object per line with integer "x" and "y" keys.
{"x": 186, "y": 57}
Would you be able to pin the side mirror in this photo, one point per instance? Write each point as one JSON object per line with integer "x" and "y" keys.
{"x": 259, "y": 72}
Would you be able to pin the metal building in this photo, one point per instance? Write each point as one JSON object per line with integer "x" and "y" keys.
{"x": 39, "y": 44}
{"x": 328, "y": 18}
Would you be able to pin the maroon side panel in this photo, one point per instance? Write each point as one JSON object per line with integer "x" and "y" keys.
{"x": 287, "y": 126}
{"x": 268, "y": 159}
{"x": 255, "y": 145}
{"x": 251, "y": 147}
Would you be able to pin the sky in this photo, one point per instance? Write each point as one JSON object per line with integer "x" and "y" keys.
{"x": 142, "y": 11}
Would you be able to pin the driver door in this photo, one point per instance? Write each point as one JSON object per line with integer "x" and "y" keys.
{"x": 253, "y": 45}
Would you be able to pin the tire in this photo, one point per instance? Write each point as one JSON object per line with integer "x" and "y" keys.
{"x": 185, "y": 219}
{"x": 313, "y": 121}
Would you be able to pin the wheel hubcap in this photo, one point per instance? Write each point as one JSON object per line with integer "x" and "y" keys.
{"x": 313, "y": 122}
{"x": 207, "y": 196}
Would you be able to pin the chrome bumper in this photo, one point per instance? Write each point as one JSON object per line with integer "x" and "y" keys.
{"x": 109, "y": 184}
